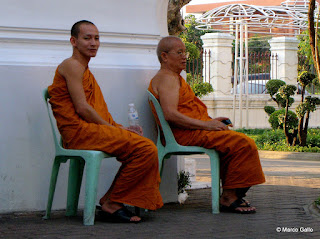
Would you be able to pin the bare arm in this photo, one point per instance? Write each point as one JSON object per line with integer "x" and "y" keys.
{"x": 73, "y": 71}
{"x": 168, "y": 92}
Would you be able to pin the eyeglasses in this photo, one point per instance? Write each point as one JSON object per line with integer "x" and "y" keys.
{"x": 179, "y": 53}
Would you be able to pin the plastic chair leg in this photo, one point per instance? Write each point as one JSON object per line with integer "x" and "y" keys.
{"x": 92, "y": 176}
{"x": 53, "y": 182}
{"x": 161, "y": 158}
{"x": 74, "y": 185}
{"x": 215, "y": 182}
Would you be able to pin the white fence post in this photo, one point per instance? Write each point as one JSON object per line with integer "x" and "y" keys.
{"x": 286, "y": 67}
{"x": 218, "y": 70}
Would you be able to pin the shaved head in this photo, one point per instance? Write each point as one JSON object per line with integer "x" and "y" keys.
{"x": 76, "y": 27}
{"x": 165, "y": 45}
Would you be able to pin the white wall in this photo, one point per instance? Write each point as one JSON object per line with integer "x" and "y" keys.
{"x": 34, "y": 39}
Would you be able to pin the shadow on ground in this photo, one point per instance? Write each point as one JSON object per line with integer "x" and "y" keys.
{"x": 278, "y": 207}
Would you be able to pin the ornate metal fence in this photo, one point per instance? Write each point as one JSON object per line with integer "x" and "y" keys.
{"x": 259, "y": 72}
{"x": 196, "y": 68}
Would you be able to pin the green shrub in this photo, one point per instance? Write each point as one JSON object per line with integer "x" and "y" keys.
{"x": 277, "y": 117}
{"x": 309, "y": 105}
{"x": 202, "y": 88}
{"x": 282, "y": 101}
{"x": 193, "y": 79}
{"x": 273, "y": 86}
{"x": 313, "y": 139}
{"x": 274, "y": 140}
{"x": 189, "y": 79}
{"x": 286, "y": 91}
{"x": 270, "y": 137}
{"x": 251, "y": 131}
{"x": 269, "y": 109}
{"x": 305, "y": 78}
{"x": 194, "y": 52}
{"x": 282, "y": 146}
{"x": 199, "y": 87}
{"x": 183, "y": 181}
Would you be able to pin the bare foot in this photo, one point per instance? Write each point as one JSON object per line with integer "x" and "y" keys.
{"x": 135, "y": 219}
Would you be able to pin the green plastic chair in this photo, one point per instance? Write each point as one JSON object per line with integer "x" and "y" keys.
{"x": 78, "y": 159}
{"x": 173, "y": 148}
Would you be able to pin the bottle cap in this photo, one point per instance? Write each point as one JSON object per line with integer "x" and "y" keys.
{"x": 131, "y": 104}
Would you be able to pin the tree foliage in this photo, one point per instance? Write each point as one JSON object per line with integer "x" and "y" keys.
{"x": 295, "y": 125}
{"x": 306, "y": 106}
{"x": 269, "y": 109}
{"x": 306, "y": 78}
{"x": 199, "y": 87}
{"x": 304, "y": 51}
{"x": 191, "y": 34}
{"x": 285, "y": 119}
{"x": 192, "y": 49}
{"x": 277, "y": 117}
{"x": 192, "y": 39}
{"x": 202, "y": 89}
{"x": 286, "y": 91}
{"x": 259, "y": 45}
{"x": 273, "y": 87}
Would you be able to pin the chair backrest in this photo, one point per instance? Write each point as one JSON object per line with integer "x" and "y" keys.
{"x": 164, "y": 126}
{"x": 46, "y": 97}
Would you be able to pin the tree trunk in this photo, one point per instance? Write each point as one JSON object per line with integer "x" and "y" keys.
{"x": 175, "y": 20}
{"x": 304, "y": 132}
{"x": 300, "y": 129}
{"x": 313, "y": 37}
{"x": 285, "y": 128}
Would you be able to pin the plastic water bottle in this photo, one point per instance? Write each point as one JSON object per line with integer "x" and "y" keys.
{"x": 133, "y": 116}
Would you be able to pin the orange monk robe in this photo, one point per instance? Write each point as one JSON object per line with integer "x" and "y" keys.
{"x": 138, "y": 179}
{"x": 239, "y": 160}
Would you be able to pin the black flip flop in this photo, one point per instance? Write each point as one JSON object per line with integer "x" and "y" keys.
{"x": 236, "y": 204}
{"x": 122, "y": 215}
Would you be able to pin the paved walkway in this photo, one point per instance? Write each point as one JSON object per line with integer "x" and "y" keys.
{"x": 283, "y": 204}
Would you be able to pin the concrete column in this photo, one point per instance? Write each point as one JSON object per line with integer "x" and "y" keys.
{"x": 285, "y": 68}
{"x": 218, "y": 70}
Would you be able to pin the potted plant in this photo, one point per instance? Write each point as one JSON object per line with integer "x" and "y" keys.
{"x": 183, "y": 183}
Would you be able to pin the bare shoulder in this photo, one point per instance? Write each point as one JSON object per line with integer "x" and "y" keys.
{"x": 70, "y": 67}
{"x": 164, "y": 80}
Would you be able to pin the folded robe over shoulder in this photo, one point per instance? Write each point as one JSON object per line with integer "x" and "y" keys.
{"x": 138, "y": 179}
{"x": 239, "y": 159}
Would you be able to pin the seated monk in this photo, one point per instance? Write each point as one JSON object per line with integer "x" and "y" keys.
{"x": 85, "y": 123}
{"x": 191, "y": 125}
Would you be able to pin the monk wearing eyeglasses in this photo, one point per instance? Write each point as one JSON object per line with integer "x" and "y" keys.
{"x": 192, "y": 126}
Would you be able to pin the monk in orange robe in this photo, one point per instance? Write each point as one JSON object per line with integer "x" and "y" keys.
{"x": 191, "y": 125}
{"x": 84, "y": 122}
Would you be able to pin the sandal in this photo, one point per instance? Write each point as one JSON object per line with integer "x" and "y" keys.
{"x": 236, "y": 204}
{"x": 121, "y": 215}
